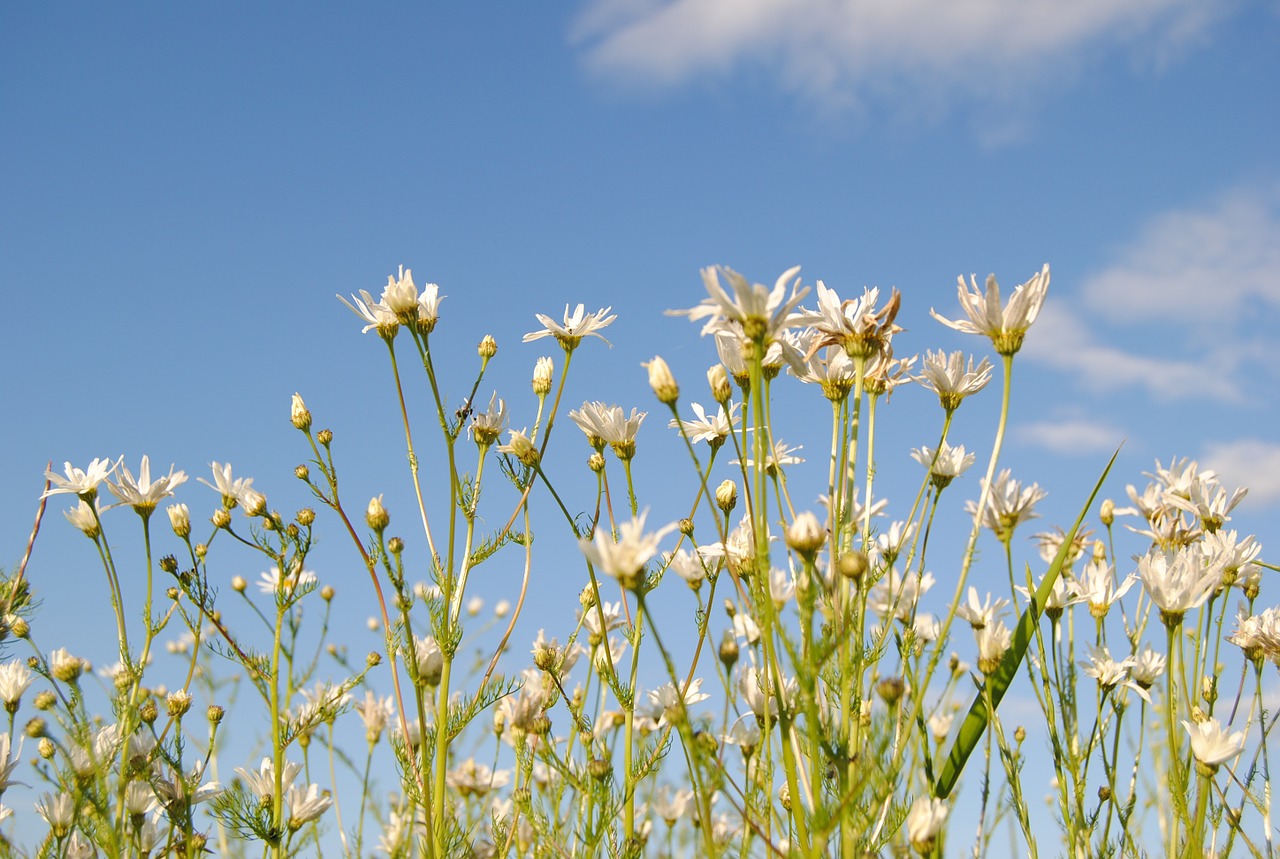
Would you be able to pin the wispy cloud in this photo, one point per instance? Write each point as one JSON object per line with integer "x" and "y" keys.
{"x": 1197, "y": 295}
{"x": 1070, "y": 436}
{"x": 1248, "y": 462}
{"x": 844, "y": 52}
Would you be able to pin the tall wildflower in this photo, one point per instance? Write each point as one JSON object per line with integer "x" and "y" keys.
{"x": 1006, "y": 325}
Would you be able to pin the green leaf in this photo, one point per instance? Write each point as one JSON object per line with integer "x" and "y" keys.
{"x": 975, "y": 723}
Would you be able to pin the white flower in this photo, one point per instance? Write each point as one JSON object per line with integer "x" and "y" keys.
{"x": 1108, "y": 672}
{"x": 1211, "y": 745}
{"x": 487, "y": 426}
{"x": 1007, "y": 325}
{"x": 687, "y": 566}
{"x": 472, "y": 778}
{"x": 1177, "y": 581}
{"x": 612, "y": 613}
{"x": 428, "y": 659}
{"x": 15, "y": 679}
{"x": 993, "y": 640}
{"x": 979, "y": 613}
{"x": 86, "y": 518}
{"x": 9, "y": 764}
{"x": 305, "y": 807}
{"x": 1097, "y": 587}
{"x": 781, "y": 454}
{"x": 667, "y": 701}
{"x": 144, "y": 494}
{"x": 1147, "y": 667}
{"x": 81, "y": 482}
{"x": 951, "y": 378}
{"x": 1008, "y": 504}
{"x": 671, "y": 805}
{"x": 376, "y": 314}
{"x": 57, "y": 811}
{"x": 232, "y": 489}
{"x": 754, "y": 312}
{"x": 271, "y": 582}
{"x": 576, "y": 325}
{"x": 400, "y": 296}
{"x": 713, "y": 430}
{"x": 925, "y": 820}
{"x": 375, "y": 712}
{"x": 262, "y": 783}
{"x": 946, "y": 464}
{"x": 520, "y": 446}
{"x": 624, "y": 558}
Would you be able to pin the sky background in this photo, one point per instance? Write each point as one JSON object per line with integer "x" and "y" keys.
{"x": 186, "y": 188}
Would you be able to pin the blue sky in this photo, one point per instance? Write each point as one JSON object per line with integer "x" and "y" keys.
{"x": 186, "y": 188}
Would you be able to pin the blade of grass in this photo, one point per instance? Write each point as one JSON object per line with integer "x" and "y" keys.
{"x": 975, "y": 723}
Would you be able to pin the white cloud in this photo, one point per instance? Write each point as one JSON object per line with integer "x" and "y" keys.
{"x": 1248, "y": 462}
{"x": 1202, "y": 267}
{"x": 1197, "y": 296}
{"x": 1061, "y": 339}
{"x": 1071, "y": 436}
{"x": 845, "y": 51}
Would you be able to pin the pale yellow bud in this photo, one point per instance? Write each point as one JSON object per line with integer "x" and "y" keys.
{"x": 488, "y": 347}
{"x": 727, "y": 496}
{"x": 542, "y": 374}
{"x": 376, "y": 516}
{"x": 662, "y": 382}
{"x": 299, "y": 415}
{"x": 180, "y": 519}
{"x": 718, "y": 379}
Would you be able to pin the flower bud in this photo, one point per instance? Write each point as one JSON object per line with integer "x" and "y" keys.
{"x": 178, "y": 703}
{"x": 542, "y": 373}
{"x": 45, "y": 700}
{"x": 306, "y": 517}
{"x": 325, "y": 437}
{"x": 326, "y": 593}
{"x": 148, "y": 712}
{"x": 299, "y": 414}
{"x": 488, "y": 347}
{"x": 254, "y": 503}
{"x": 238, "y": 584}
{"x": 686, "y": 527}
{"x": 214, "y": 714}
{"x": 169, "y": 564}
{"x": 595, "y": 462}
{"x": 1108, "y": 513}
{"x": 853, "y": 565}
{"x": 302, "y": 472}
{"x": 376, "y": 515}
{"x": 180, "y": 519}
{"x": 727, "y": 496}
{"x": 18, "y": 626}
{"x": 47, "y": 749}
{"x": 662, "y": 382}
{"x": 395, "y": 545}
{"x": 806, "y": 535}
{"x": 37, "y": 727}
{"x": 718, "y": 379}
{"x": 728, "y": 650}
{"x": 221, "y": 518}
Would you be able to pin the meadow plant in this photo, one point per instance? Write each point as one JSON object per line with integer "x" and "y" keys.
{"x": 835, "y": 708}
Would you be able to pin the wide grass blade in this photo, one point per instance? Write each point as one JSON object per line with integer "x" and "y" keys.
{"x": 975, "y": 723}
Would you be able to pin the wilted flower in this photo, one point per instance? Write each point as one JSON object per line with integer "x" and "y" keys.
{"x": 855, "y": 324}
{"x": 1005, "y": 325}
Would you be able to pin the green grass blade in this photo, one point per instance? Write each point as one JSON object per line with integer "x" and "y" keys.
{"x": 975, "y": 723}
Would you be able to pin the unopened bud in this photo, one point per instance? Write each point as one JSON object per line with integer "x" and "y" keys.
{"x": 686, "y": 527}
{"x": 149, "y": 712}
{"x": 718, "y": 379}
{"x": 238, "y": 584}
{"x": 542, "y": 374}
{"x": 728, "y": 650}
{"x": 302, "y": 472}
{"x": 178, "y": 703}
{"x": 47, "y": 748}
{"x": 326, "y": 593}
{"x": 169, "y": 564}
{"x": 325, "y": 437}
{"x": 214, "y": 714}
{"x": 299, "y": 414}
{"x": 180, "y": 519}
{"x": 254, "y": 503}
{"x": 1108, "y": 513}
{"x": 806, "y": 535}
{"x": 853, "y": 565}
{"x": 36, "y": 727}
{"x": 306, "y": 517}
{"x": 662, "y": 382}
{"x": 599, "y": 769}
{"x": 221, "y": 518}
{"x": 376, "y": 515}
{"x": 595, "y": 462}
{"x": 488, "y": 347}
{"x": 727, "y": 496}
